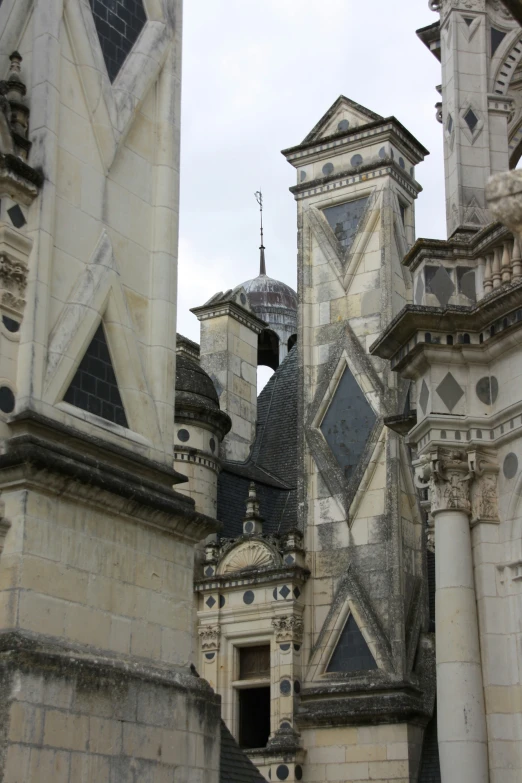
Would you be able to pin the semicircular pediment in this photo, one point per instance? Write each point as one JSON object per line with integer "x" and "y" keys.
{"x": 254, "y": 554}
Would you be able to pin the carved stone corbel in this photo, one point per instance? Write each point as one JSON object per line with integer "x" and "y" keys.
{"x": 288, "y": 629}
{"x": 210, "y": 637}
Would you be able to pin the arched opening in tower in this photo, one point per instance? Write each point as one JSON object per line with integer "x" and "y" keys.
{"x": 268, "y": 349}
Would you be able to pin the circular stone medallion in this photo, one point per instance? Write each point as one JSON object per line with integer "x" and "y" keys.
{"x": 183, "y": 435}
{"x": 282, "y": 772}
{"x": 285, "y": 687}
{"x": 248, "y": 597}
{"x": 510, "y": 466}
{"x": 7, "y": 399}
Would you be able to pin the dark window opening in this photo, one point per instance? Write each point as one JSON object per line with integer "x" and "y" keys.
{"x": 254, "y": 662}
{"x": 268, "y": 349}
{"x": 449, "y": 339}
{"x": 403, "y": 213}
{"x": 497, "y": 36}
{"x": 254, "y": 717}
{"x": 292, "y": 341}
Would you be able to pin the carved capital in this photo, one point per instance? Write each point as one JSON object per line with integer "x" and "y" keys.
{"x": 460, "y": 481}
{"x": 288, "y": 629}
{"x": 210, "y": 637}
{"x": 484, "y": 501}
{"x": 446, "y": 475}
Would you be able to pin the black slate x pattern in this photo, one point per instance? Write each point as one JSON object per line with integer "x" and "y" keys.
{"x": 118, "y": 24}
{"x": 94, "y": 387}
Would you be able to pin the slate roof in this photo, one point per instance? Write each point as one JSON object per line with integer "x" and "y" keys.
{"x": 272, "y": 464}
{"x": 234, "y": 765}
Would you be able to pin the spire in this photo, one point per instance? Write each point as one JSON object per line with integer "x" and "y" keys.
{"x": 262, "y": 267}
{"x": 253, "y": 522}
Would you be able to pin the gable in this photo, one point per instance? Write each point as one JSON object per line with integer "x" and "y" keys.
{"x": 344, "y": 115}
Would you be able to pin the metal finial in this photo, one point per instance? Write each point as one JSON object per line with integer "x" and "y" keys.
{"x": 262, "y": 266}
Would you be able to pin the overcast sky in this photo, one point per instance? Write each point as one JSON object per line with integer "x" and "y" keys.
{"x": 257, "y": 76}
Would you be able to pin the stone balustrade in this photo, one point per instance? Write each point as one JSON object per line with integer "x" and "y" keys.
{"x": 502, "y": 265}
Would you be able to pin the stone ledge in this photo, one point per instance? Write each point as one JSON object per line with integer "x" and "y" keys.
{"x": 455, "y": 318}
{"x": 33, "y": 653}
{"x": 77, "y": 465}
{"x": 362, "y": 708}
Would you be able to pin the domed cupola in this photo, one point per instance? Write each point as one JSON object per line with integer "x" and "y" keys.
{"x": 200, "y": 428}
{"x": 275, "y": 303}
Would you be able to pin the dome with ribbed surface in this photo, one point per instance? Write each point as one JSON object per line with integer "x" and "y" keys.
{"x": 264, "y": 293}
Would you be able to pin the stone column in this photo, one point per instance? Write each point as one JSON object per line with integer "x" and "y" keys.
{"x": 460, "y": 696}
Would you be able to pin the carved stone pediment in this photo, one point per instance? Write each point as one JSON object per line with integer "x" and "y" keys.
{"x": 249, "y": 555}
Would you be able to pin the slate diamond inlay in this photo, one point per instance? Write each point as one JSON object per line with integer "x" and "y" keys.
{"x": 344, "y": 220}
{"x": 285, "y": 591}
{"x": 441, "y": 285}
{"x": 449, "y": 391}
{"x": 419, "y": 291}
{"x": 348, "y": 423}
{"x": 471, "y": 119}
{"x": 210, "y": 602}
{"x": 424, "y": 397}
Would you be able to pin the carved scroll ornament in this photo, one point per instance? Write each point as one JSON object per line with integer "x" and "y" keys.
{"x": 460, "y": 481}
{"x": 446, "y": 475}
{"x": 288, "y": 628}
{"x": 209, "y": 636}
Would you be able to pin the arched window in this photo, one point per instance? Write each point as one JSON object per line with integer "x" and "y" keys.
{"x": 268, "y": 349}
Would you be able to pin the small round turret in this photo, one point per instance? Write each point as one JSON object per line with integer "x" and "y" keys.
{"x": 200, "y": 426}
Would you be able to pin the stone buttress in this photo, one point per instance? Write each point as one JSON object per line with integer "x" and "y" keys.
{"x": 97, "y": 548}
{"x": 367, "y": 657}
